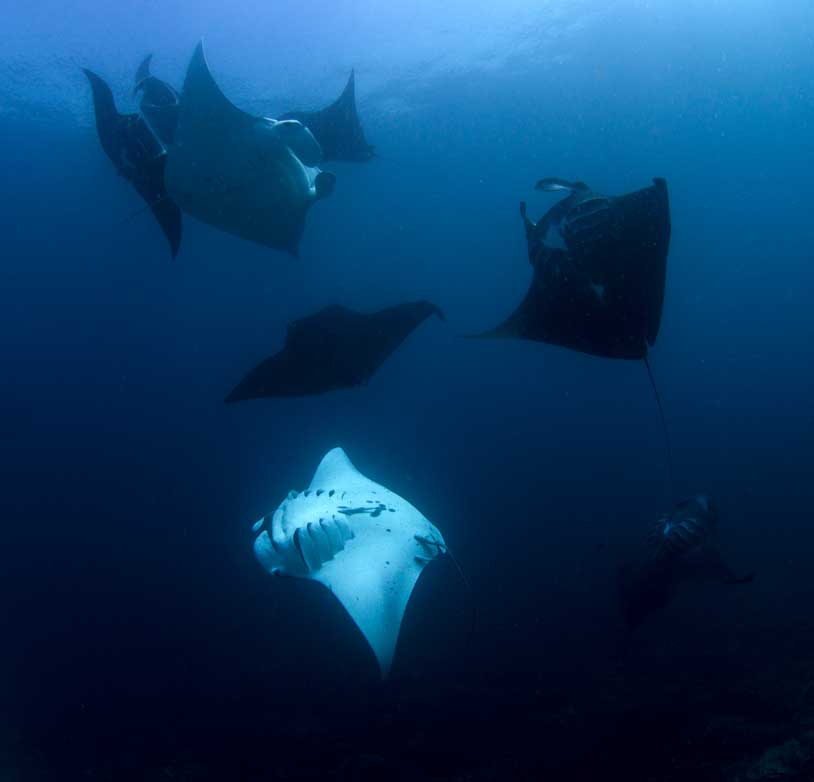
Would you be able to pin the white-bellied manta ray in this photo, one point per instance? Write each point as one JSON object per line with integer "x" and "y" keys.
{"x": 251, "y": 176}
{"x": 362, "y": 541}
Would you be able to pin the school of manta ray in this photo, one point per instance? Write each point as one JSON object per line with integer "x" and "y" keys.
{"x": 597, "y": 286}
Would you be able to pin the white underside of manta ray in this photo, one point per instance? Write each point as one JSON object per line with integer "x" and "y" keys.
{"x": 359, "y": 539}
{"x": 254, "y": 177}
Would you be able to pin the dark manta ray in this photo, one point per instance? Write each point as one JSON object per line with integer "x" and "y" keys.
{"x": 334, "y": 348}
{"x": 680, "y": 547}
{"x": 337, "y": 128}
{"x": 599, "y": 265}
{"x": 137, "y": 156}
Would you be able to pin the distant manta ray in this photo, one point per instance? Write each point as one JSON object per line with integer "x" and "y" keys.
{"x": 680, "y": 547}
{"x": 362, "y": 541}
{"x": 138, "y": 156}
{"x": 331, "y": 349}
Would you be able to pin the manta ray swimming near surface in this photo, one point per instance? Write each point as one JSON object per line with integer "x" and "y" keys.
{"x": 331, "y": 349}
{"x": 363, "y": 542}
{"x": 337, "y": 127}
{"x": 264, "y": 198}
{"x": 254, "y": 177}
{"x": 138, "y": 156}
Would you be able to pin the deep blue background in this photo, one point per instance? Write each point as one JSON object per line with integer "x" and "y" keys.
{"x": 128, "y": 487}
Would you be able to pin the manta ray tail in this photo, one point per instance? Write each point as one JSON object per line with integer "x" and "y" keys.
{"x": 473, "y": 627}
{"x": 670, "y": 474}
{"x": 444, "y": 549}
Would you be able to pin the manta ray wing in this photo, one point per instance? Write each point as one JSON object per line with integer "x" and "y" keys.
{"x": 362, "y": 541}
{"x": 143, "y": 71}
{"x": 337, "y": 127}
{"x": 208, "y": 117}
{"x": 138, "y": 156}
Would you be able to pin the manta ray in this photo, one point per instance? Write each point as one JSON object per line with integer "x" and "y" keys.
{"x": 680, "y": 547}
{"x": 600, "y": 264}
{"x": 333, "y": 348}
{"x": 599, "y": 269}
{"x": 137, "y": 155}
{"x": 363, "y": 542}
{"x": 254, "y": 177}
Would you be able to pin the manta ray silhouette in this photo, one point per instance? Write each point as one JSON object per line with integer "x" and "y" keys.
{"x": 137, "y": 155}
{"x": 333, "y": 348}
{"x": 600, "y": 265}
{"x": 366, "y": 544}
{"x": 680, "y": 547}
{"x": 254, "y": 177}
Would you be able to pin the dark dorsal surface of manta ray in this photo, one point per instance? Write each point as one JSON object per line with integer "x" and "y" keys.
{"x": 600, "y": 265}
{"x": 159, "y": 104}
{"x": 362, "y": 541}
{"x": 137, "y": 156}
{"x": 331, "y": 349}
{"x": 254, "y": 177}
{"x": 337, "y": 127}
{"x": 680, "y": 547}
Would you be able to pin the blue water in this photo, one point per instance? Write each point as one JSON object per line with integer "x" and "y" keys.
{"x": 138, "y": 631}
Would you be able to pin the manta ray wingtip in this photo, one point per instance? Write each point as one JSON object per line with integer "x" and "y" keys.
{"x": 96, "y": 81}
{"x": 349, "y": 93}
{"x": 142, "y": 73}
{"x": 434, "y": 309}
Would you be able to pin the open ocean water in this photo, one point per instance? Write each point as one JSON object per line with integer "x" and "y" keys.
{"x": 141, "y": 640}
